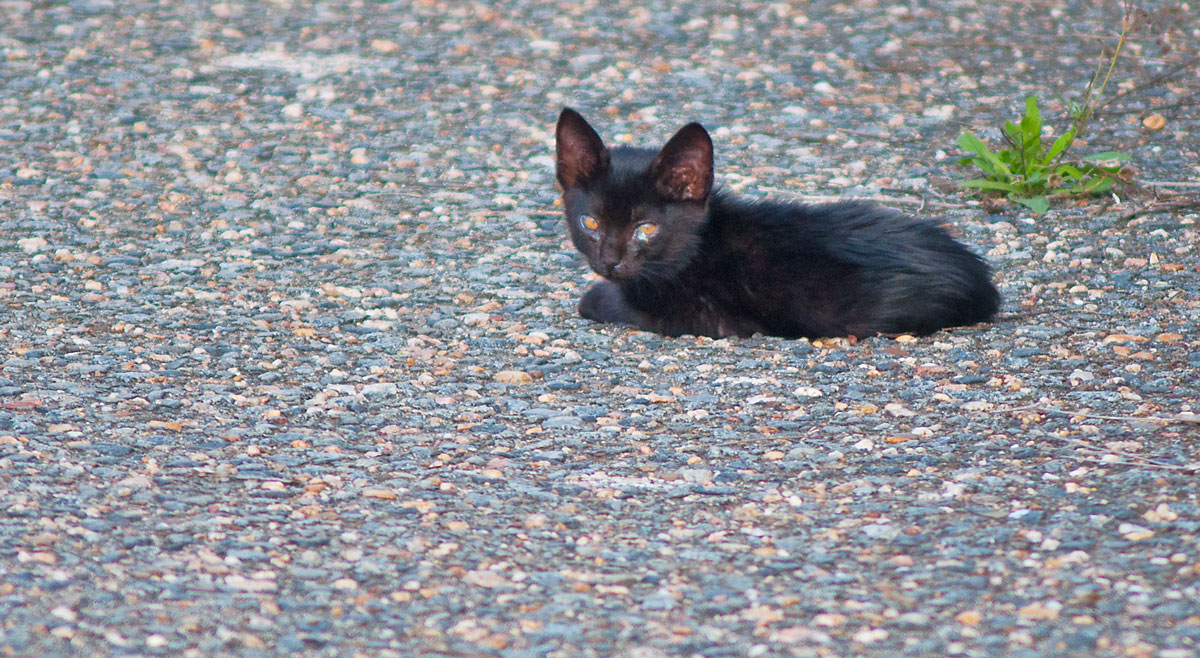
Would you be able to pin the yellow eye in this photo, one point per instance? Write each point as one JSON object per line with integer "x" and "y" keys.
{"x": 644, "y": 232}
{"x": 588, "y": 222}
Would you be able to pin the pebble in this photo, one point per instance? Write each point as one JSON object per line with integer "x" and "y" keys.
{"x": 513, "y": 377}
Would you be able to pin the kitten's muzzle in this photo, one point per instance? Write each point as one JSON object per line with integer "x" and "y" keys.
{"x": 612, "y": 270}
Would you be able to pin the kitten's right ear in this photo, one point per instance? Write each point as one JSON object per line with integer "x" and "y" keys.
{"x": 683, "y": 169}
{"x": 581, "y": 155}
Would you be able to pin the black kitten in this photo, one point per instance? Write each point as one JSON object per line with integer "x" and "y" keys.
{"x": 681, "y": 258}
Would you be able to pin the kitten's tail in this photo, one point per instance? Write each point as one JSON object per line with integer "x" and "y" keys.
{"x": 953, "y": 288}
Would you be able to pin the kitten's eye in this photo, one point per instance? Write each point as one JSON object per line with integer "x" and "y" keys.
{"x": 589, "y": 223}
{"x": 644, "y": 232}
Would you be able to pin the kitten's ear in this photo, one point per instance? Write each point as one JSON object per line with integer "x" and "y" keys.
{"x": 581, "y": 155}
{"x": 683, "y": 169}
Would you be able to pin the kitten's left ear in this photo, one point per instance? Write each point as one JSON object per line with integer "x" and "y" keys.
{"x": 580, "y": 155}
{"x": 683, "y": 169}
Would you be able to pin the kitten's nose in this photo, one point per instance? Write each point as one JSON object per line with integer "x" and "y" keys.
{"x": 612, "y": 269}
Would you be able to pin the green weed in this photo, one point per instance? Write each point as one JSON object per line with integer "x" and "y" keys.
{"x": 1028, "y": 172}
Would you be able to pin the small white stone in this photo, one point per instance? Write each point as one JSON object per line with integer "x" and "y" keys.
{"x": 64, "y": 613}
{"x": 33, "y": 245}
{"x": 380, "y": 389}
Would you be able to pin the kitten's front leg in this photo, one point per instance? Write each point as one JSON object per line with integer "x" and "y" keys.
{"x": 603, "y": 302}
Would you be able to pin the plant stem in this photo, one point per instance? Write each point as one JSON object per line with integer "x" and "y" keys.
{"x": 1090, "y": 101}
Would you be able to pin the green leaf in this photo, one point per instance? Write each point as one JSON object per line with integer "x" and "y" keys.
{"x": 1092, "y": 186}
{"x": 987, "y": 170}
{"x": 1068, "y": 170}
{"x": 1095, "y": 186}
{"x": 1017, "y": 156}
{"x": 1032, "y": 116}
{"x": 972, "y": 144}
{"x": 1031, "y": 125}
{"x": 1038, "y": 204}
{"x": 977, "y": 161}
{"x": 1014, "y": 133}
{"x": 1060, "y": 145}
{"x": 985, "y": 184}
{"x": 1105, "y": 156}
{"x": 1110, "y": 168}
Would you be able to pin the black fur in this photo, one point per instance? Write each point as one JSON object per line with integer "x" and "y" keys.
{"x": 719, "y": 265}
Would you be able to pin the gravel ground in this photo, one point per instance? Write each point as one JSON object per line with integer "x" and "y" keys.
{"x": 289, "y": 361}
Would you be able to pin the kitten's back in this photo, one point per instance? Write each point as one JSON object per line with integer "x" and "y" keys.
{"x": 867, "y": 268}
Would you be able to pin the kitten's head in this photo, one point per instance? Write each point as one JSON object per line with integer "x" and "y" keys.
{"x": 634, "y": 213}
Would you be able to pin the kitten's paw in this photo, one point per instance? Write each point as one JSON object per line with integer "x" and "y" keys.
{"x": 603, "y": 303}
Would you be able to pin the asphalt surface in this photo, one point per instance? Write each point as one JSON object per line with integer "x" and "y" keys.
{"x": 290, "y": 363}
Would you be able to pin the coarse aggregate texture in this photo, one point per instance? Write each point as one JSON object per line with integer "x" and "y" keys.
{"x": 290, "y": 364}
